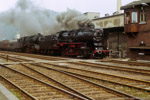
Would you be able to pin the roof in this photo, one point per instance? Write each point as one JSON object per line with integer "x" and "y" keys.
{"x": 108, "y": 16}
{"x": 91, "y": 12}
{"x": 135, "y": 3}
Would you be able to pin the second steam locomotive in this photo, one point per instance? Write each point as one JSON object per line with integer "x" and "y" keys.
{"x": 87, "y": 43}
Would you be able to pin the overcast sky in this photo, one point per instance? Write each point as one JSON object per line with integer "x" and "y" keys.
{"x": 101, "y": 6}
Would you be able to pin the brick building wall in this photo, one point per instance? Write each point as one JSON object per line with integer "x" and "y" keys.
{"x": 143, "y": 34}
{"x": 135, "y": 42}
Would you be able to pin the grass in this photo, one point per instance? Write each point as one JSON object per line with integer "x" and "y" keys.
{"x": 16, "y": 94}
{"x": 129, "y": 60}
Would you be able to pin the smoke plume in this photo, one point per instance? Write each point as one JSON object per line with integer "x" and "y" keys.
{"x": 29, "y": 19}
{"x": 72, "y": 19}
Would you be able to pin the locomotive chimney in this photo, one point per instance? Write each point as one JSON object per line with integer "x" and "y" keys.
{"x": 119, "y": 3}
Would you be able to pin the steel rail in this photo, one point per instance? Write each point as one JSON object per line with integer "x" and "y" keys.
{"x": 90, "y": 76}
{"x": 57, "y": 88}
{"x": 117, "y": 66}
{"x": 36, "y": 56}
{"x": 23, "y": 91}
{"x": 102, "y": 86}
{"x": 19, "y": 59}
{"x": 4, "y": 57}
{"x": 110, "y": 67}
{"x": 130, "y": 63}
{"x": 87, "y": 71}
{"x": 70, "y": 89}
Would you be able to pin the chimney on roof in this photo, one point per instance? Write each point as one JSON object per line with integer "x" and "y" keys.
{"x": 119, "y": 4}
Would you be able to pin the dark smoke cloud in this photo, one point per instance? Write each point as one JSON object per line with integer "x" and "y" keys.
{"x": 28, "y": 19}
{"x": 72, "y": 19}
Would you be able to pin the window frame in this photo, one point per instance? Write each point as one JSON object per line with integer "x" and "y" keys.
{"x": 134, "y": 21}
{"x": 142, "y": 16}
{"x": 127, "y": 18}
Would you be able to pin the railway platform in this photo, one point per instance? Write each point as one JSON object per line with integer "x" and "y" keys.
{"x": 5, "y": 94}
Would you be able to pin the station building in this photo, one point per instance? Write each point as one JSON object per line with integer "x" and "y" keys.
{"x": 127, "y": 34}
{"x": 113, "y": 27}
{"x": 137, "y": 28}
{"x": 115, "y": 38}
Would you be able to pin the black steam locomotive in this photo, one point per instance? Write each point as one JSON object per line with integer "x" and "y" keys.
{"x": 87, "y": 43}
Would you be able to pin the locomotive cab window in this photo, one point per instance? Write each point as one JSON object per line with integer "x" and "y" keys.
{"x": 134, "y": 17}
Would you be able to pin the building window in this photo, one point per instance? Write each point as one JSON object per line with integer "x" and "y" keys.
{"x": 134, "y": 17}
{"x": 142, "y": 15}
{"x": 127, "y": 18}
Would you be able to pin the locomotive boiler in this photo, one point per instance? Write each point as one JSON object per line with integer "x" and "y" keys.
{"x": 83, "y": 43}
{"x": 29, "y": 44}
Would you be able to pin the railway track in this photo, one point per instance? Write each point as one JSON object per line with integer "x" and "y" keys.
{"x": 102, "y": 66}
{"x": 7, "y": 58}
{"x": 61, "y": 58}
{"x": 111, "y": 67}
{"x": 82, "y": 87}
{"x": 37, "y": 74}
{"x": 14, "y": 59}
{"x": 34, "y": 88}
{"x": 129, "y": 63}
{"x": 140, "y": 85}
{"x": 36, "y": 56}
{"x": 88, "y": 89}
{"x": 130, "y": 85}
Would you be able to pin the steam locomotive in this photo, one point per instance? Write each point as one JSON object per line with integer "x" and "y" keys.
{"x": 87, "y": 43}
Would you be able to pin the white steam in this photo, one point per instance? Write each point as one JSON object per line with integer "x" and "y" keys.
{"x": 29, "y": 19}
